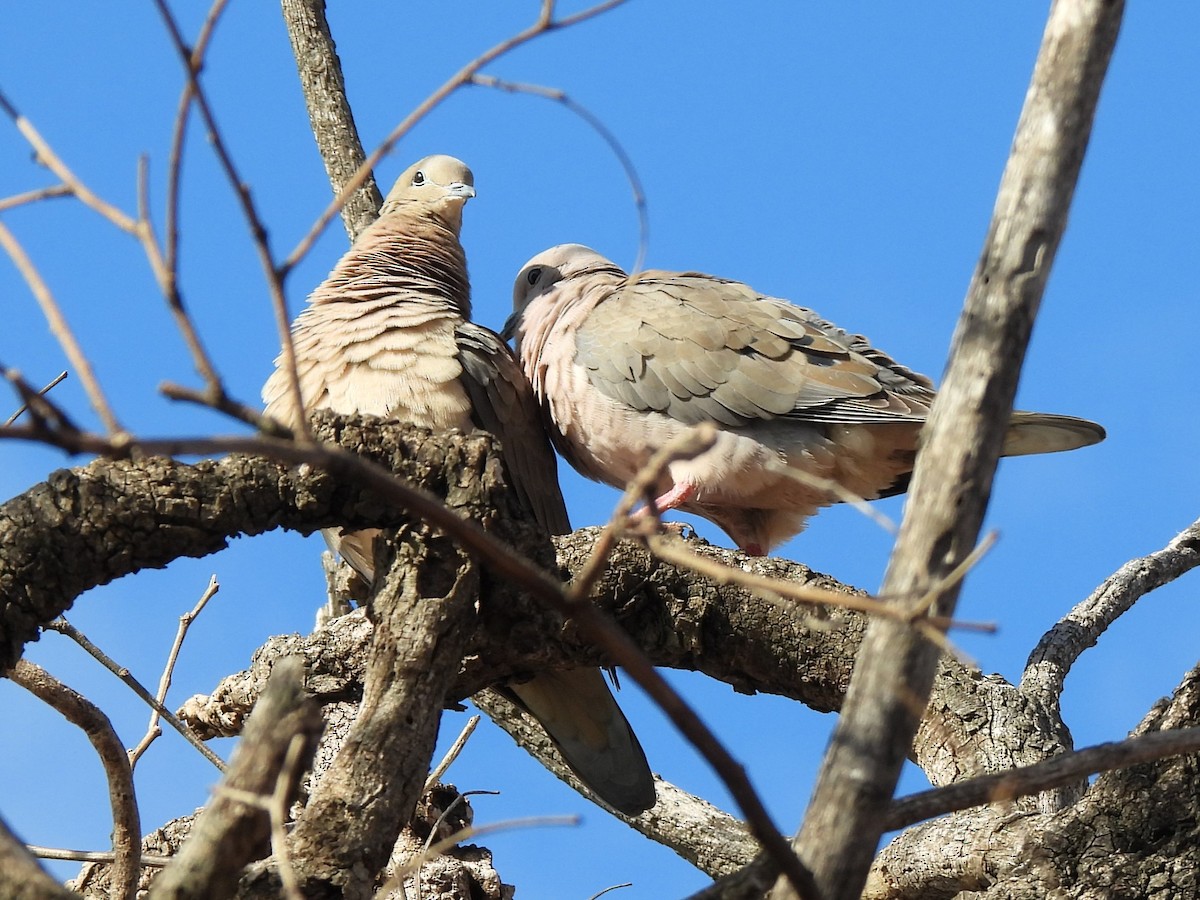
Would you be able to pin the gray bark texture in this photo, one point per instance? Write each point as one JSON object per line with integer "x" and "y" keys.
{"x": 1132, "y": 833}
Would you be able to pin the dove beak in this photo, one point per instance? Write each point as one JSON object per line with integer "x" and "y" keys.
{"x": 460, "y": 189}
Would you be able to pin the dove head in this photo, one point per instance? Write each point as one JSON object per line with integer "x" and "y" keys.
{"x": 550, "y": 267}
{"x": 441, "y": 184}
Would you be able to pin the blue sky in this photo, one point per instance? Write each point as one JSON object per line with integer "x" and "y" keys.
{"x": 842, "y": 156}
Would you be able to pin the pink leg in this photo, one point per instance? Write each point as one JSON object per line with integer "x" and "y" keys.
{"x": 672, "y": 499}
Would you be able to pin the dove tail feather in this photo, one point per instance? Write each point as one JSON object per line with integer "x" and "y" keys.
{"x": 583, "y": 720}
{"x": 1030, "y": 432}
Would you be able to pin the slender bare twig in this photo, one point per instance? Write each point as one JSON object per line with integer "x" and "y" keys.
{"x": 164, "y": 683}
{"x": 673, "y": 551}
{"x": 545, "y": 24}
{"x": 93, "y": 856}
{"x": 1061, "y": 646}
{"x": 42, "y": 393}
{"x": 61, "y": 330}
{"x": 691, "y": 443}
{"x": 168, "y": 270}
{"x": 277, "y": 807}
{"x": 78, "y": 710}
{"x": 594, "y": 122}
{"x": 1066, "y": 768}
{"x": 56, "y": 190}
{"x": 452, "y": 754}
{"x": 609, "y": 889}
{"x": 48, "y": 417}
{"x": 63, "y": 627}
{"x": 48, "y": 158}
{"x": 250, "y": 415}
{"x": 275, "y": 276}
{"x": 425, "y": 854}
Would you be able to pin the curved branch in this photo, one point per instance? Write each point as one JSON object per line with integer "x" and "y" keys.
{"x": 1079, "y": 629}
{"x": 78, "y": 710}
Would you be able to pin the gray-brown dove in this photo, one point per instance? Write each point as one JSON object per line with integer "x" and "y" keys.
{"x": 387, "y": 334}
{"x": 621, "y": 364}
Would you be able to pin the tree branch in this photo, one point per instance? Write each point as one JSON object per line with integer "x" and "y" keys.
{"x": 961, "y": 445}
{"x": 231, "y": 832}
{"x": 78, "y": 710}
{"x": 329, "y": 110}
{"x": 1079, "y": 629}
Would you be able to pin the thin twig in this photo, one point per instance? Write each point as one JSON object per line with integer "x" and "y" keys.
{"x": 594, "y": 122}
{"x": 615, "y": 887}
{"x": 288, "y": 777}
{"x": 544, "y": 25}
{"x": 452, "y": 754}
{"x": 164, "y": 683}
{"x": 78, "y": 710}
{"x": 1066, "y": 768}
{"x": 673, "y": 550}
{"x": 63, "y": 627}
{"x": 275, "y": 276}
{"x": 168, "y": 270}
{"x": 55, "y": 190}
{"x": 42, "y": 393}
{"x": 93, "y": 856}
{"x": 61, "y": 330}
{"x": 48, "y": 158}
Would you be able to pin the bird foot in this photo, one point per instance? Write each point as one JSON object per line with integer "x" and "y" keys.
{"x": 678, "y": 495}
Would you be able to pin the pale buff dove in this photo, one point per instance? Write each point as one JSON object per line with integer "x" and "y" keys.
{"x": 621, "y": 364}
{"x": 386, "y": 334}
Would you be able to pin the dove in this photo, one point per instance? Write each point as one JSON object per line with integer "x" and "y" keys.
{"x": 387, "y": 333}
{"x": 806, "y": 414}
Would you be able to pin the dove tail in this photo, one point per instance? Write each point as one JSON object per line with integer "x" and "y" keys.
{"x": 581, "y": 716}
{"x": 1030, "y": 432}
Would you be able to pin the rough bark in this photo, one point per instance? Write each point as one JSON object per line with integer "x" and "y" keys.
{"x": 329, "y": 109}
{"x": 952, "y": 480}
{"x": 974, "y": 723}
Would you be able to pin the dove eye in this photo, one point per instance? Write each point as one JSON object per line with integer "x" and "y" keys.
{"x": 534, "y": 275}
{"x": 418, "y": 179}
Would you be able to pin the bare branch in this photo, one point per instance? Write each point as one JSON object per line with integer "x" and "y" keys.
{"x": 35, "y": 196}
{"x": 356, "y": 811}
{"x": 544, "y": 25}
{"x": 78, "y": 710}
{"x": 63, "y": 627}
{"x": 42, "y": 393}
{"x": 329, "y": 110}
{"x": 164, "y": 683}
{"x": 593, "y": 122}
{"x": 452, "y": 754}
{"x": 275, "y": 276}
{"x": 961, "y": 444}
{"x": 1066, "y": 768}
{"x": 48, "y": 158}
{"x": 230, "y": 832}
{"x": 60, "y": 328}
{"x": 1058, "y": 649}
